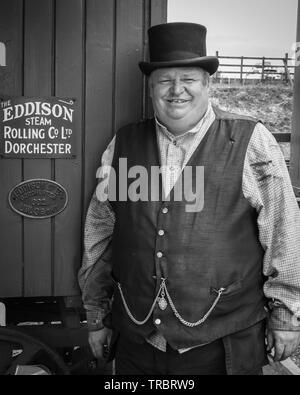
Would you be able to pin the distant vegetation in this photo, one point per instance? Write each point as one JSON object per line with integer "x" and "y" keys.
{"x": 271, "y": 103}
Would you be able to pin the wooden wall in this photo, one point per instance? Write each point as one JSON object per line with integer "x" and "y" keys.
{"x": 295, "y": 138}
{"x": 89, "y": 50}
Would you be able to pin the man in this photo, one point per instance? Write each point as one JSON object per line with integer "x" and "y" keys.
{"x": 191, "y": 291}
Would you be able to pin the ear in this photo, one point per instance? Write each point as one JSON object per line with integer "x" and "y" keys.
{"x": 150, "y": 86}
{"x": 208, "y": 85}
{"x": 208, "y": 82}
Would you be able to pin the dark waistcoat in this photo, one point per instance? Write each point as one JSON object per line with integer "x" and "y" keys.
{"x": 201, "y": 251}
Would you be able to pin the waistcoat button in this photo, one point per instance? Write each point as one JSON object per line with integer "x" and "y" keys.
{"x": 159, "y": 254}
{"x": 161, "y": 232}
{"x": 157, "y": 321}
{"x": 165, "y": 210}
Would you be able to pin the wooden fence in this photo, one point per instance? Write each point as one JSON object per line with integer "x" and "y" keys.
{"x": 264, "y": 68}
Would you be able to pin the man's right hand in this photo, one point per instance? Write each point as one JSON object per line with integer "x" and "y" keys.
{"x": 99, "y": 339}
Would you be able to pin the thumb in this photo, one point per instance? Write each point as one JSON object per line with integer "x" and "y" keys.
{"x": 270, "y": 340}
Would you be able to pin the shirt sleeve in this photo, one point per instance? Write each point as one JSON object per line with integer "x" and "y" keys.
{"x": 267, "y": 187}
{"x": 94, "y": 276}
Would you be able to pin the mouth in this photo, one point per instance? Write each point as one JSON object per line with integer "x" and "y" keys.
{"x": 178, "y": 101}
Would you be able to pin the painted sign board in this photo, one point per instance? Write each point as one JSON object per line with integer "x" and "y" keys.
{"x": 38, "y": 198}
{"x": 2, "y": 55}
{"x": 42, "y": 128}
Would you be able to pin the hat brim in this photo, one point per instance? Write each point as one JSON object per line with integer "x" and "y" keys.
{"x": 208, "y": 63}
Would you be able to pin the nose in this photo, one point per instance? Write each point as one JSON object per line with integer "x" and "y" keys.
{"x": 177, "y": 88}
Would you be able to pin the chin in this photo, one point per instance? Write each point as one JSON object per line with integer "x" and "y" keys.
{"x": 177, "y": 115}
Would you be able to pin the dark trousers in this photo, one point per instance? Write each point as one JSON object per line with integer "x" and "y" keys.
{"x": 144, "y": 359}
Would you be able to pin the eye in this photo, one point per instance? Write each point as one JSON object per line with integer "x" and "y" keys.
{"x": 164, "y": 81}
{"x": 188, "y": 80}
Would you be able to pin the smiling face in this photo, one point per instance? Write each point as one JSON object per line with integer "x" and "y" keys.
{"x": 179, "y": 97}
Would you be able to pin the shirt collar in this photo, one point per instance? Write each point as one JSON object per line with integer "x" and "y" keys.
{"x": 209, "y": 114}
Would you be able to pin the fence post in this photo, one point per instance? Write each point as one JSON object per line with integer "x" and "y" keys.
{"x": 263, "y": 69}
{"x": 285, "y": 62}
{"x": 242, "y": 65}
{"x": 217, "y": 73}
{"x": 287, "y": 74}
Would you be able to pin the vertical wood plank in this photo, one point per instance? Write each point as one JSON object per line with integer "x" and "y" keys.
{"x": 295, "y": 137}
{"x": 129, "y": 51}
{"x": 115, "y": 41}
{"x": 11, "y": 265}
{"x": 159, "y": 10}
{"x": 156, "y": 13}
{"x": 99, "y": 87}
{"x": 147, "y": 105}
{"x": 70, "y": 57}
{"x": 37, "y": 82}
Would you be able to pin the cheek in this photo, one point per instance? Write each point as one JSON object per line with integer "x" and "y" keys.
{"x": 200, "y": 99}
{"x": 160, "y": 91}
{"x": 158, "y": 99}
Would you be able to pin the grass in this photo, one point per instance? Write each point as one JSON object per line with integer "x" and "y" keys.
{"x": 270, "y": 103}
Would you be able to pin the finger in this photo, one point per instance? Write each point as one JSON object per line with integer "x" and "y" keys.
{"x": 287, "y": 353}
{"x": 97, "y": 349}
{"x": 279, "y": 351}
{"x": 105, "y": 351}
{"x": 109, "y": 336}
{"x": 289, "y": 350}
{"x": 270, "y": 341}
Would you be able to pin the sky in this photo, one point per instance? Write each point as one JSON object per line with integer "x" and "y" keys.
{"x": 241, "y": 27}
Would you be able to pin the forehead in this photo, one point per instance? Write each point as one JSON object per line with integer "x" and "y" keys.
{"x": 177, "y": 71}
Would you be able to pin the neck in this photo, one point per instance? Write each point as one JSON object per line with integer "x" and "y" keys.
{"x": 180, "y": 126}
{"x": 177, "y": 128}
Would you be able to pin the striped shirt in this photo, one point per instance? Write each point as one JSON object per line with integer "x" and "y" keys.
{"x": 272, "y": 197}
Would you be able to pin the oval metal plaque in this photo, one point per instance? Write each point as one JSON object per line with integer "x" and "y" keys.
{"x": 38, "y": 198}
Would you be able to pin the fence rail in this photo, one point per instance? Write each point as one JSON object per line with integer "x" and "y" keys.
{"x": 265, "y": 70}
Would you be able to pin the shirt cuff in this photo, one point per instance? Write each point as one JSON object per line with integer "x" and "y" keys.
{"x": 282, "y": 319}
{"x": 95, "y": 319}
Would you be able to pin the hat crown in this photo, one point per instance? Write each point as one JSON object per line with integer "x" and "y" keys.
{"x": 176, "y": 41}
{"x": 178, "y": 44}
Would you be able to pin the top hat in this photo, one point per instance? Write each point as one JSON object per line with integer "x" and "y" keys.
{"x": 178, "y": 44}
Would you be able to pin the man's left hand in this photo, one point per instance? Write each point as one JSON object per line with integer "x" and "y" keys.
{"x": 285, "y": 343}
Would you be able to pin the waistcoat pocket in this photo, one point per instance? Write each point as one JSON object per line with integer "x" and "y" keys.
{"x": 230, "y": 290}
